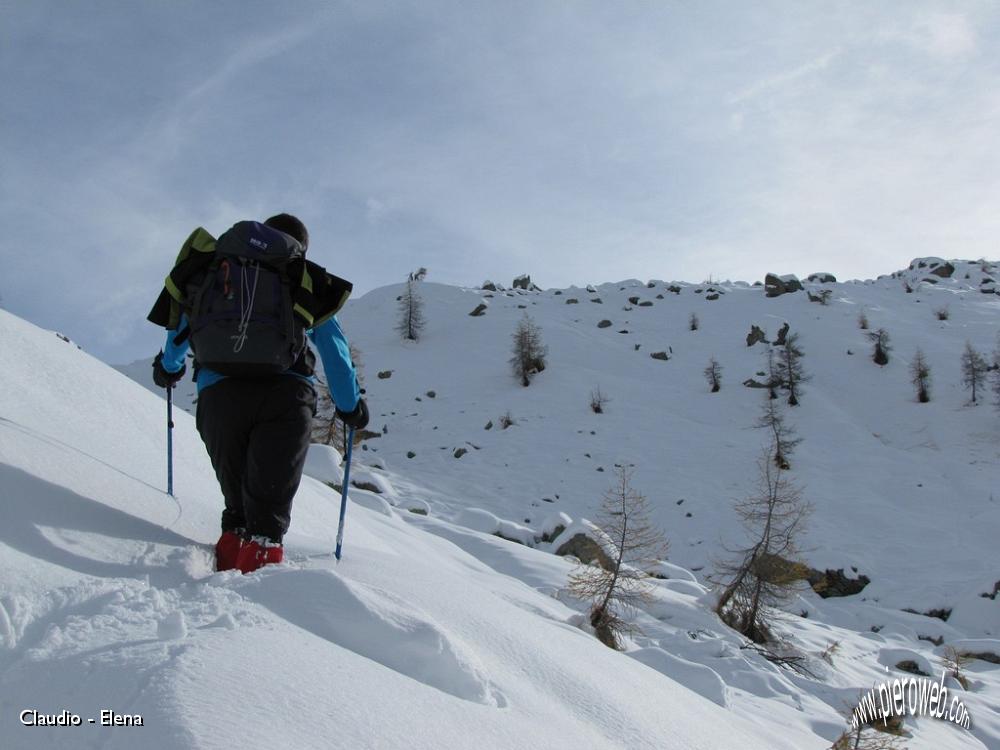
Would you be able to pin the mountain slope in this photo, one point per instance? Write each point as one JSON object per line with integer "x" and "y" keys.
{"x": 108, "y": 602}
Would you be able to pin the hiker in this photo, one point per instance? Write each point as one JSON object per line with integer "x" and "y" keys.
{"x": 245, "y": 304}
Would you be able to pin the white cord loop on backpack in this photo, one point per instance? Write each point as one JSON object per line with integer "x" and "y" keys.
{"x": 248, "y": 295}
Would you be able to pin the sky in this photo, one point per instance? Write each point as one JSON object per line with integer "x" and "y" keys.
{"x": 579, "y": 142}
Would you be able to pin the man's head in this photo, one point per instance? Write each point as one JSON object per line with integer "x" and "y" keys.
{"x": 292, "y": 226}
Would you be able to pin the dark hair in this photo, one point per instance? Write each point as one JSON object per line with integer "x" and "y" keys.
{"x": 290, "y": 225}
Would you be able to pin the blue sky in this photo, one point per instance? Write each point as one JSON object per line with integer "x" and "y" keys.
{"x": 580, "y": 142}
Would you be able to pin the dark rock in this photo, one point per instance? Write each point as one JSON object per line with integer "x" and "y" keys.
{"x": 370, "y": 486}
{"x": 461, "y": 452}
{"x": 557, "y": 293}
{"x": 782, "y": 333}
{"x": 910, "y": 666}
{"x": 489, "y": 286}
{"x": 822, "y": 278}
{"x": 385, "y": 374}
{"x": 982, "y": 656}
{"x": 833, "y": 583}
{"x": 572, "y": 301}
{"x": 633, "y": 300}
{"x": 674, "y": 288}
{"x": 756, "y": 335}
{"x": 944, "y": 270}
{"x": 712, "y": 297}
{"x": 940, "y": 614}
{"x": 480, "y": 310}
{"x": 524, "y": 282}
{"x": 489, "y": 425}
{"x": 598, "y": 300}
{"x": 645, "y": 303}
{"x": 586, "y": 550}
{"x": 555, "y": 532}
{"x": 411, "y": 454}
{"x": 431, "y": 394}
{"x": 604, "y": 324}
{"x": 775, "y": 286}
{"x": 660, "y": 355}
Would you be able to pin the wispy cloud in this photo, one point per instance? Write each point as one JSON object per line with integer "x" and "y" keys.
{"x": 793, "y": 78}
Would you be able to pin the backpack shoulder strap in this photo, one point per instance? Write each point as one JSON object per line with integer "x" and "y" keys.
{"x": 320, "y": 294}
{"x": 195, "y": 255}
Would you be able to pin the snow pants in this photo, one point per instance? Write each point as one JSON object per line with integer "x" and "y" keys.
{"x": 257, "y": 434}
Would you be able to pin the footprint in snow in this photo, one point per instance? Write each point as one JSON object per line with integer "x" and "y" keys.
{"x": 377, "y": 625}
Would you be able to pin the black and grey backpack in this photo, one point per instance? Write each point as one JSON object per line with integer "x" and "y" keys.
{"x": 249, "y": 298}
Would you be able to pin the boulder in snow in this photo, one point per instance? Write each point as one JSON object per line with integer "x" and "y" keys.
{"x": 775, "y": 286}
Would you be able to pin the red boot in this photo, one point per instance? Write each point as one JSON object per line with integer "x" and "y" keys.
{"x": 227, "y": 549}
{"x": 259, "y": 551}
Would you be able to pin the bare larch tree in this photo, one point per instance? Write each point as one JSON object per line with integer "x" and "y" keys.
{"x": 633, "y": 544}
{"x": 765, "y": 573}
{"x": 528, "y": 351}
{"x": 411, "y": 312}
{"x": 974, "y": 370}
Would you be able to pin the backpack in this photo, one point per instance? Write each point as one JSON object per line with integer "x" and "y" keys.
{"x": 249, "y": 298}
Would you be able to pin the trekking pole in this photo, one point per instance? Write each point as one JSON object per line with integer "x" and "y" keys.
{"x": 170, "y": 442}
{"x": 343, "y": 495}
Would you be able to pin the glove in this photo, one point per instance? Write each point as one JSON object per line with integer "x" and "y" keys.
{"x": 165, "y": 379}
{"x": 357, "y": 419}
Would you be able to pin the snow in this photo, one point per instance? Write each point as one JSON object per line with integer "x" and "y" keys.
{"x": 323, "y": 464}
{"x": 436, "y": 629}
{"x": 108, "y": 601}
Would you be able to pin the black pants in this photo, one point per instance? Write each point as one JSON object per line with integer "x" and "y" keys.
{"x": 257, "y": 435}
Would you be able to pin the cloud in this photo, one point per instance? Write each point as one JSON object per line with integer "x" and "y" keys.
{"x": 793, "y": 78}
{"x": 947, "y": 37}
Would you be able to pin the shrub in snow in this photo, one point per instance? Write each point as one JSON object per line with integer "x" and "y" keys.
{"x": 713, "y": 373}
{"x": 598, "y": 400}
{"x": 528, "y": 351}
{"x": 920, "y": 377}
{"x": 880, "y": 353}
{"x": 693, "y": 322}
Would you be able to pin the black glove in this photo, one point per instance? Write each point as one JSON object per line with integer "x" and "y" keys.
{"x": 165, "y": 379}
{"x": 357, "y": 419}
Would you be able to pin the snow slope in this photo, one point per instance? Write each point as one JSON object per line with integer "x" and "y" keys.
{"x": 107, "y": 601}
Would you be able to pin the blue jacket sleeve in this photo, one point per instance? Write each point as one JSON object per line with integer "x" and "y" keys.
{"x": 174, "y": 353}
{"x": 335, "y": 353}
